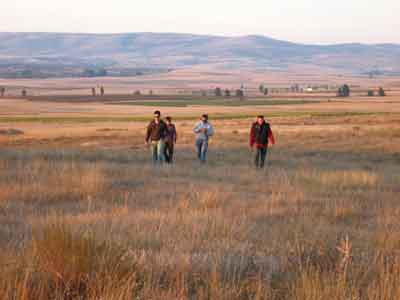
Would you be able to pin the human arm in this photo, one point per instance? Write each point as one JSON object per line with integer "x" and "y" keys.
{"x": 210, "y": 131}
{"x": 271, "y": 136}
{"x": 197, "y": 128}
{"x": 252, "y": 139}
{"x": 164, "y": 131}
{"x": 175, "y": 137}
{"x": 148, "y": 133}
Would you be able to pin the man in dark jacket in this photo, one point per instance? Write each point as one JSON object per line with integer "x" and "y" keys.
{"x": 260, "y": 135}
{"x": 170, "y": 141}
{"x": 155, "y": 136}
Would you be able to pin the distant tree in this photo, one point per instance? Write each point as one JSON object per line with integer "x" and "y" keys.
{"x": 340, "y": 92}
{"x": 102, "y": 91}
{"x": 227, "y": 93}
{"x": 101, "y": 73}
{"x": 344, "y": 91}
{"x": 2, "y": 91}
{"x": 23, "y": 93}
{"x": 151, "y": 92}
{"x": 266, "y": 91}
{"x": 218, "y": 92}
{"x": 295, "y": 88}
{"x": 239, "y": 93}
{"x": 137, "y": 93}
{"x": 381, "y": 92}
{"x": 89, "y": 73}
{"x": 94, "y": 92}
{"x": 371, "y": 93}
{"x": 94, "y": 73}
{"x": 261, "y": 88}
{"x": 27, "y": 74}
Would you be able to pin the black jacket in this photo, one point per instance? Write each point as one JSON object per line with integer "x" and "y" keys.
{"x": 260, "y": 134}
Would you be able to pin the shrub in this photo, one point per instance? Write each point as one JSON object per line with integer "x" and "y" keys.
{"x": 239, "y": 93}
{"x": 344, "y": 91}
{"x": 60, "y": 264}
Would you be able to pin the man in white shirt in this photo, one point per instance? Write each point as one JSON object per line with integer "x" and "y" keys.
{"x": 203, "y": 131}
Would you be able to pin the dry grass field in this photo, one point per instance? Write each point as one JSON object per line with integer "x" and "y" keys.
{"x": 85, "y": 215}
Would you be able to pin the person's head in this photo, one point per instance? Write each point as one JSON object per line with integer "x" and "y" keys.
{"x": 260, "y": 119}
{"x": 204, "y": 118}
{"x": 169, "y": 120}
{"x": 157, "y": 115}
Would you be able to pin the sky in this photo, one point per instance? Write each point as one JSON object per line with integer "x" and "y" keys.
{"x": 305, "y": 21}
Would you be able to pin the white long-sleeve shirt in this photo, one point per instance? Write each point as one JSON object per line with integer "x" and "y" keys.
{"x": 203, "y": 135}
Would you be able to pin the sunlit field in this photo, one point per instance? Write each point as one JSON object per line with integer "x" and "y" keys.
{"x": 84, "y": 214}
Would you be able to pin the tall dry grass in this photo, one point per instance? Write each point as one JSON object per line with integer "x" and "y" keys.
{"x": 84, "y": 224}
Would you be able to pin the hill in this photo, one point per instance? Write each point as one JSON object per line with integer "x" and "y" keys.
{"x": 72, "y": 53}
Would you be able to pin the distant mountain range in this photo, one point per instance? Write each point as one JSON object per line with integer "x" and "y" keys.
{"x": 60, "y": 53}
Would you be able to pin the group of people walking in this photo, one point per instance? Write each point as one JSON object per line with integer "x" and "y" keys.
{"x": 162, "y": 136}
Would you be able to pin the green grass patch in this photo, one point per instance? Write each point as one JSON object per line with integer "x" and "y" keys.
{"x": 217, "y": 116}
{"x": 215, "y": 102}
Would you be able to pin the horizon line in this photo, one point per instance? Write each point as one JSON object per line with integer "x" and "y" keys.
{"x": 200, "y": 34}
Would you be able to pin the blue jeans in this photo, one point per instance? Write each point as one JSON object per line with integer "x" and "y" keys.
{"x": 202, "y": 148}
{"x": 157, "y": 150}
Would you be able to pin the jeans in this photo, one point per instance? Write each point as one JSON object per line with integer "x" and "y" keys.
{"x": 157, "y": 150}
{"x": 202, "y": 148}
{"x": 259, "y": 159}
{"x": 169, "y": 152}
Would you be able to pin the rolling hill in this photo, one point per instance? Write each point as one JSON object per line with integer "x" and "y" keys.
{"x": 160, "y": 51}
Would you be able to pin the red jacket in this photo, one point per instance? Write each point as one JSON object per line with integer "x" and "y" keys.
{"x": 260, "y": 135}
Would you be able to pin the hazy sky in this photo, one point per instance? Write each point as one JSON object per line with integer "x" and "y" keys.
{"x": 309, "y": 21}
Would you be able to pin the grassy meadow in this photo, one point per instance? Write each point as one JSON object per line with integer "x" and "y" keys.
{"x": 95, "y": 222}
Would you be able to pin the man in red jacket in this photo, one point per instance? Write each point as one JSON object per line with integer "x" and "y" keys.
{"x": 260, "y": 135}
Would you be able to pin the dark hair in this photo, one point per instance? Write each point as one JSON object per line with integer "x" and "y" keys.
{"x": 205, "y": 116}
{"x": 157, "y": 112}
{"x": 260, "y": 117}
{"x": 168, "y": 118}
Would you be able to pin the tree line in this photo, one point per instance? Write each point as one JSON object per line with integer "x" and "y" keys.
{"x": 343, "y": 91}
